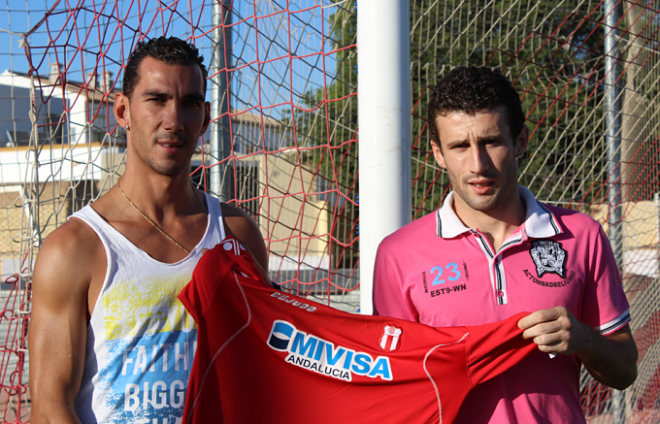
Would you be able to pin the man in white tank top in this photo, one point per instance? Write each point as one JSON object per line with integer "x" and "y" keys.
{"x": 109, "y": 341}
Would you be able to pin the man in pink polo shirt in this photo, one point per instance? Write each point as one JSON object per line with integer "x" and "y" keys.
{"x": 492, "y": 250}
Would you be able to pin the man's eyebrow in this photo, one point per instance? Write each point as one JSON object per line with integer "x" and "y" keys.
{"x": 455, "y": 143}
{"x": 163, "y": 95}
{"x": 194, "y": 96}
{"x": 155, "y": 93}
{"x": 488, "y": 138}
{"x": 482, "y": 139}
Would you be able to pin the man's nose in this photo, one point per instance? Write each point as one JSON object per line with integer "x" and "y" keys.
{"x": 479, "y": 160}
{"x": 173, "y": 120}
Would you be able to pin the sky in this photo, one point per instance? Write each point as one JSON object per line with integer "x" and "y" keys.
{"x": 88, "y": 35}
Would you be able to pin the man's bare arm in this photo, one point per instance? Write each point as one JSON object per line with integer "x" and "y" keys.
{"x": 610, "y": 359}
{"x": 58, "y": 324}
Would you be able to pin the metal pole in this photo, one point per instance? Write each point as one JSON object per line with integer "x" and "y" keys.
{"x": 384, "y": 129}
{"x": 613, "y": 123}
{"x": 613, "y": 140}
{"x": 220, "y": 175}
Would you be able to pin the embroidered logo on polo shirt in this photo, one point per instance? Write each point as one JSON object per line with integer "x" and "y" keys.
{"x": 548, "y": 256}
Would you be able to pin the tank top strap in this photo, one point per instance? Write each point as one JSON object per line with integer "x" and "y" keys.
{"x": 216, "y": 230}
{"x": 109, "y": 236}
{"x": 90, "y": 217}
{"x": 102, "y": 229}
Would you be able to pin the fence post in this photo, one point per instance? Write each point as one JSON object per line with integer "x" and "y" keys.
{"x": 613, "y": 124}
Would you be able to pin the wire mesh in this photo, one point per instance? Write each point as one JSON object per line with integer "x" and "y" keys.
{"x": 290, "y": 116}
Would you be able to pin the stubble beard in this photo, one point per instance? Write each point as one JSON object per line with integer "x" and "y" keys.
{"x": 171, "y": 166}
{"x": 505, "y": 192}
{"x": 169, "y": 170}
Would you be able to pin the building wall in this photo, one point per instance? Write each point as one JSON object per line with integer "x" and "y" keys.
{"x": 295, "y": 224}
{"x": 73, "y": 115}
{"x": 11, "y": 219}
{"x": 57, "y": 200}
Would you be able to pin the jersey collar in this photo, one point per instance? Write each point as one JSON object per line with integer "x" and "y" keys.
{"x": 539, "y": 221}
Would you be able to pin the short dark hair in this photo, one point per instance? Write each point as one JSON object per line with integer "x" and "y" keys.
{"x": 172, "y": 51}
{"x": 470, "y": 89}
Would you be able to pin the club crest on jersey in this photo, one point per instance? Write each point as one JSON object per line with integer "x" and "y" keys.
{"x": 315, "y": 354}
{"x": 391, "y": 338}
{"x": 548, "y": 256}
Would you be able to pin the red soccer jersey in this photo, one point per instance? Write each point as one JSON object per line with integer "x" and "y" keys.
{"x": 264, "y": 356}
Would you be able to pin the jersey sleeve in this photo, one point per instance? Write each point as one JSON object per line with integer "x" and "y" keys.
{"x": 389, "y": 299}
{"x": 494, "y": 348}
{"x": 605, "y": 307}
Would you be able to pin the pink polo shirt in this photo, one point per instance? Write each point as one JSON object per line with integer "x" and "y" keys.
{"x": 438, "y": 272}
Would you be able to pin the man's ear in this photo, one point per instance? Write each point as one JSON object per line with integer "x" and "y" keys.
{"x": 207, "y": 117}
{"x": 122, "y": 110}
{"x": 522, "y": 141}
{"x": 437, "y": 153}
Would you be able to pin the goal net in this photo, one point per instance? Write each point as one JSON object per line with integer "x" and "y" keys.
{"x": 283, "y": 140}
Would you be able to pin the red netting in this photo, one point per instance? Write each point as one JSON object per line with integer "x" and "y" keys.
{"x": 282, "y": 143}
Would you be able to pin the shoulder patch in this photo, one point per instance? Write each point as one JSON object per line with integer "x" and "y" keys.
{"x": 548, "y": 256}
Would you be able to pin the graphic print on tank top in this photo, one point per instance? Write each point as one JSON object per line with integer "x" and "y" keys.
{"x": 151, "y": 342}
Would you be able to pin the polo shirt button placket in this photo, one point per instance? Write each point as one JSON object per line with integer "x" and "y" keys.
{"x": 499, "y": 277}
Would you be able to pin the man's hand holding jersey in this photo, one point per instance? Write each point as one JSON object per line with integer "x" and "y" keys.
{"x": 611, "y": 359}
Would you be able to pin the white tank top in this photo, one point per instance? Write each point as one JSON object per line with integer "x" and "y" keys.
{"x": 140, "y": 340}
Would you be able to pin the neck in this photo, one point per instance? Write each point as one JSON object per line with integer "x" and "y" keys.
{"x": 496, "y": 225}
{"x": 160, "y": 195}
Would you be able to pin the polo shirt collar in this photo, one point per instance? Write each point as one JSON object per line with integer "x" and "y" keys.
{"x": 539, "y": 221}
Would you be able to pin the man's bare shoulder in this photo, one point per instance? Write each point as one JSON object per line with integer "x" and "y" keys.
{"x": 72, "y": 248}
{"x": 242, "y": 226}
{"x": 74, "y": 236}
{"x": 232, "y": 212}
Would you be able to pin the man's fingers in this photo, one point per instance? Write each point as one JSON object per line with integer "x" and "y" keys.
{"x": 533, "y": 319}
{"x": 554, "y": 330}
{"x": 541, "y": 329}
{"x": 551, "y": 339}
{"x": 543, "y": 315}
{"x": 551, "y": 348}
